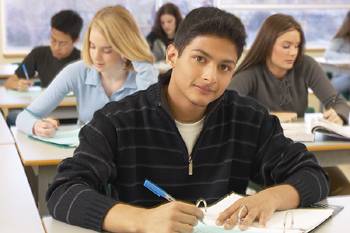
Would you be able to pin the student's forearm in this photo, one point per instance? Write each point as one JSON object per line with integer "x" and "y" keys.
{"x": 122, "y": 218}
{"x": 286, "y": 196}
{"x": 11, "y": 82}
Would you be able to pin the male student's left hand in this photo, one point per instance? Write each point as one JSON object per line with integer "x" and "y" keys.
{"x": 259, "y": 207}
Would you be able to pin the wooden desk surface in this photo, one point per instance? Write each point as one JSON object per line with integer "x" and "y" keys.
{"x": 6, "y": 70}
{"x": 5, "y": 134}
{"x": 37, "y": 153}
{"x": 339, "y": 223}
{"x": 10, "y": 100}
{"x": 18, "y": 212}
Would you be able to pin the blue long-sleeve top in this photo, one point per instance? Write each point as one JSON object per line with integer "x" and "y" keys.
{"x": 85, "y": 83}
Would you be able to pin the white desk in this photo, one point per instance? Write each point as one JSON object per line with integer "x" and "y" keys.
{"x": 10, "y": 99}
{"x": 334, "y": 65}
{"x": 43, "y": 158}
{"x": 339, "y": 223}
{"x": 18, "y": 212}
{"x": 6, "y": 70}
{"x": 5, "y": 134}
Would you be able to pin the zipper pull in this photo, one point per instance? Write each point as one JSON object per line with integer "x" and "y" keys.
{"x": 190, "y": 167}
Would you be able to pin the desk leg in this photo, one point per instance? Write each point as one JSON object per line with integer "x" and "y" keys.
{"x": 45, "y": 177}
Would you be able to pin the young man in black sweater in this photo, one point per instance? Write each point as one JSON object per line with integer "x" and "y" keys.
{"x": 191, "y": 137}
{"x": 45, "y": 62}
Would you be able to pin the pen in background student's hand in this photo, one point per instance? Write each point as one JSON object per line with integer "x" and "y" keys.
{"x": 24, "y": 68}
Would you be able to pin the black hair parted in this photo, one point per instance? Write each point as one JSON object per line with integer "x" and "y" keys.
{"x": 210, "y": 21}
{"x": 69, "y": 22}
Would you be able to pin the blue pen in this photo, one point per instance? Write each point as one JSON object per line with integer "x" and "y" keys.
{"x": 25, "y": 71}
{"x": 161, "y": 193}
{"x": 157, "y": 190}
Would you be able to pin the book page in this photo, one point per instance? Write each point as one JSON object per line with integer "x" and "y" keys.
{"x": 322, "y": 125}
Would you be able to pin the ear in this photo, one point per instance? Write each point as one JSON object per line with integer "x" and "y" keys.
{"x": 171, "y": 55}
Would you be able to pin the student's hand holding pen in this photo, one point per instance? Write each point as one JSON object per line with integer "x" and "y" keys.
{"x": 45, "y": 127}
{"x": 172, "y": 217}
{"x": 24, "y": 84}
{"x": 332, "y": 116}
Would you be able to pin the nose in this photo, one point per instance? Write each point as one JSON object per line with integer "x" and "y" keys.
{"x": 294, "y": 51}
{"x": 97, "y": 55}
{"x": 55, "y": 46}
{"x": 210, "y": 73}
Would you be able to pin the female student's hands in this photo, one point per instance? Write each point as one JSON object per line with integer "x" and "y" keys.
{"x": 259, "y": 207}
{"x": 332, "y": 116}
{"x": 23, "y": 84}
{"x": 174, "y": 216}
{"x": 46, "y": 127}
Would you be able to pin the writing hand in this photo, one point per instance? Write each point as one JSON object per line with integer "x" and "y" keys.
{"x": 46, "y": 127}
{"x": 174, "y": 216}
{"x": 23, "y": 84}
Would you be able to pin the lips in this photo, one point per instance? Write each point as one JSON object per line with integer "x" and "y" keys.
{"x": 205, "y": 89}
{"x": 99, "y": 65}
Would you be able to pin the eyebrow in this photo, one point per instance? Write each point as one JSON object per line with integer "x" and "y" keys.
{"x": 208, "y": 55}
{"x": 103, "y": 47}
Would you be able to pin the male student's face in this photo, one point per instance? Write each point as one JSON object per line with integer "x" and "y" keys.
{"x": 103, "y": 57}
{"x": 284, "y": 51}
{"x": 203, "y": 71}
{"x": 61, "y": 44}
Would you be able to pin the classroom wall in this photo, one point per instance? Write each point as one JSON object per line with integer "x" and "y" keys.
{"x": 19, "y": 58}
{"x": 4, "y": 59}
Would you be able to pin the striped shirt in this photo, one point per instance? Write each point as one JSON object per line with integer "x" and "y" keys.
{"x": 137, "y": 139}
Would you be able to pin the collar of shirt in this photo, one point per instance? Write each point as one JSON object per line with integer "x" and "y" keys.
{"x": 93, "y": 78}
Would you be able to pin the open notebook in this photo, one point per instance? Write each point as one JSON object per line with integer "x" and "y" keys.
{"x": 63, "y": 137}
{"x": 305, "y": 219}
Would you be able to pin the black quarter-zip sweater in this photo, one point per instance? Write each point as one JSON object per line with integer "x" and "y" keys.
{"x": 136, "y": 139}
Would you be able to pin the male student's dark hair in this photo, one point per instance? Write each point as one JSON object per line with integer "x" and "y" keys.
{"x": 69, "y": 22}
{"x": 210, "y": 21}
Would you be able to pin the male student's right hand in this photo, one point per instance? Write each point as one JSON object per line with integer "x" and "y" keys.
{"x": 23, "y": 84}
{"x": 171, "y": 217}
{"x": 174, "y": 216}
{"x": 46, "y": 127}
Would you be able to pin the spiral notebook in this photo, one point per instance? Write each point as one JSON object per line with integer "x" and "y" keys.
{"x": 304, "y": 219}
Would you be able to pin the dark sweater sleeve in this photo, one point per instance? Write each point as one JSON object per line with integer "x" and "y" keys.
{"x": 78, "y": 194}
{"x": 281, "y": 161}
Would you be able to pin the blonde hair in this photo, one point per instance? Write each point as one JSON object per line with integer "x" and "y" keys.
{"x": 122, "y": 33}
